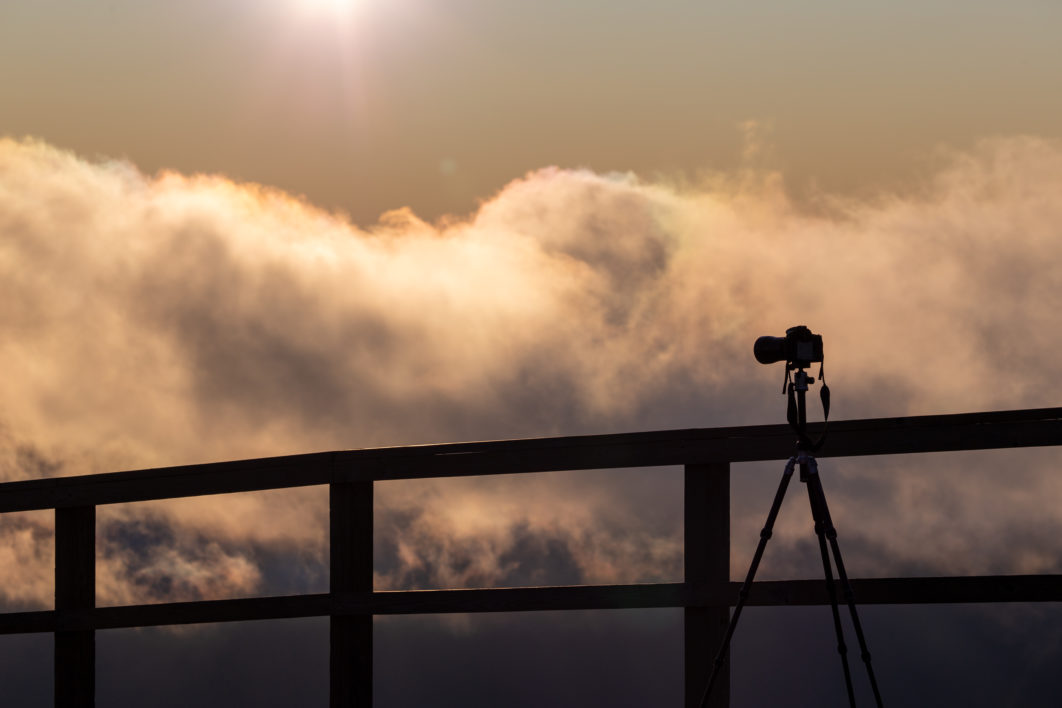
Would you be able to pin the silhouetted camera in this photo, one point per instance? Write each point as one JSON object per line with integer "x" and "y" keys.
{"x": 798, "y": 348}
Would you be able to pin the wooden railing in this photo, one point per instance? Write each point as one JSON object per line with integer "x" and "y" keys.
{"x": 706, "y": 594}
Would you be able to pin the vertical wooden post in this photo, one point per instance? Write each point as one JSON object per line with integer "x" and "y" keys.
{"x": 75, "y": 589}
{"x": 350, "y": 509}
{"x": 707, "y": 562}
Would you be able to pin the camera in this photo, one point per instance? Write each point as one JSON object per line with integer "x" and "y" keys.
{"x": 798, "y": 348}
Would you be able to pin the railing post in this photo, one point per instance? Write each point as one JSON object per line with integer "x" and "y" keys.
{"x": 350, "y": 663}
{"x": 707, "y": 562}
{"x": 75, "y": 590}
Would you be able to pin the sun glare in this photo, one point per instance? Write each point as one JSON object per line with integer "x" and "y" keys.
{"x": 333, "y": 8}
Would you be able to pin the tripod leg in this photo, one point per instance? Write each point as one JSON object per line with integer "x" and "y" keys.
{"x": 815, "y": 487}
{"x": 806, "y": 474}
{"x": 765, "y": 535}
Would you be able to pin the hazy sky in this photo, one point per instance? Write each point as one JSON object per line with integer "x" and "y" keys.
{"x": 239, "y": 228}
{"x": 436, "y": 105}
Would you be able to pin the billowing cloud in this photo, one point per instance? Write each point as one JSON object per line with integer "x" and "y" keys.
{"x": 157, "y": 320}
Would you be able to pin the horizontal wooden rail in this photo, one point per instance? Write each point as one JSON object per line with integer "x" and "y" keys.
{"x": 880, "y": 436}
{"x": 868, "y": 591}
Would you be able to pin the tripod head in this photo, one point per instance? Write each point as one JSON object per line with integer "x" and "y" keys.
{"x": 799, "y": 348}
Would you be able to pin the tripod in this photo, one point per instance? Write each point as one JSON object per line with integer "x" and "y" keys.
{"x": 824, "y": 530}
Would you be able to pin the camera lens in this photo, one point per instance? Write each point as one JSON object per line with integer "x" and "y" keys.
{"x": 768, "y": 350}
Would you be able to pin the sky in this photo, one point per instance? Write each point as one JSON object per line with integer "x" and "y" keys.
{"x": 231, "y": 229}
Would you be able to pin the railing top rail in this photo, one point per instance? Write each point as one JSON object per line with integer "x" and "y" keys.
{"x": 877, "y": 436}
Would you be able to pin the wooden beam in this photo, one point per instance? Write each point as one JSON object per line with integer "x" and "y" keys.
{"x": 771, "y": 593}
{"x": 75, "y": 591}
{"x": 577, "y": 597}
{"x": 967, "y": 431}
{"x": 167, "y": 482}
{"x": 911, "y": 591}
{"x": 350, "y": 658}
{"x": 32, "y": 622}
{"x": 707, "y": 564}
{"x": 203, "y": 611}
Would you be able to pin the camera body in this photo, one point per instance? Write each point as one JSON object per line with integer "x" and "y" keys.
{"x": 798, "y": 348}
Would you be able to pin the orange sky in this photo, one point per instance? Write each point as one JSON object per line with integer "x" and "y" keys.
{"x": 437, "y": 105}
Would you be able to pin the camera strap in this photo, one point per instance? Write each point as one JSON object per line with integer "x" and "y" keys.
{"x": 824, "y": 396}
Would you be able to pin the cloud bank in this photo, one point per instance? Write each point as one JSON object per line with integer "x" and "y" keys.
{"x": 167, "y": 319}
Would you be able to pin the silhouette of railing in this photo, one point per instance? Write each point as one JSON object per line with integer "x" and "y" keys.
{"x": 706, "y": 594}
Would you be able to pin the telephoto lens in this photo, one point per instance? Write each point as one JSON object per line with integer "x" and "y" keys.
{"x": 769, "y": 350}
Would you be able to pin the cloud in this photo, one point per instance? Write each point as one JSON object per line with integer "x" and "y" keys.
{"x": 167, "y": 319}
